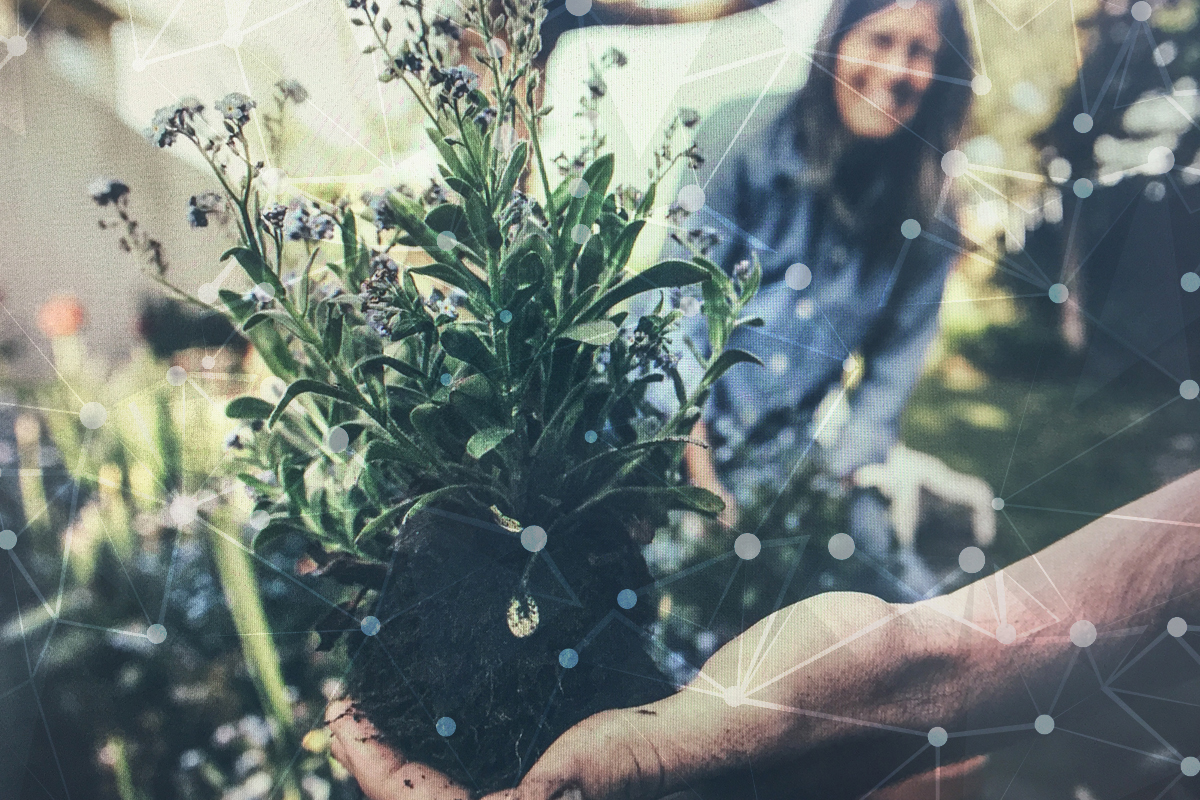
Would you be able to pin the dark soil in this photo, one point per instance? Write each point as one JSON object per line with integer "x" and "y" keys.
{"x": 446, "y": 650}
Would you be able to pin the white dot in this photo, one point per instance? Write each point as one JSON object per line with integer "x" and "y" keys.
{"x": 1044, "y": 724}
{"x": 497, "y": 48}
{"x": 17, "y": 45}
{"x": 1177, "y": 626}
{"x": 1083, "y": 633}
{"x": 233, "y": 38}
{"x": 568, "y": 658}
{"x": 955, "y": 163}
{"x": 208, "y": 362}
{"x": 734, "y": 696}
{"x": 338, "y": 439}
{"x": 273, "y": 177}
{"x": 138, "y": 65}
{"x": 446, "y": 240}
{"x": 1082, "y": 122}
{"x": 1005, "y": 633}
{"x": 798, "y": 276}
{"x": 176, "y": 375}
{"x": 1082, "y": 188}
{"x": 8, "y": 540}
{"x": 207, "y": 293}
{"x": 747, "y": 546}
{"x": 93, "y": 415}
{"x": 998, "y": 503}
{"x": 627, "y": 598}
{"x": 579, "y": 7}
{"x": 691, "y": 198}
{"x": 690, "y": 306}
{"x": 1160, "y": 160}
{"x": 156, "y": 633}
{"x": 183, "y": 510}
{"x": 370, "y": 625}
{"x": 971, "y": 559}
{"x": 841, "y": 546}
{"x": 1190, "y": 281}
{"x": 779, "y": 363}
{"x": 580, "y": 233}
{"x": 1140, "y": 11}
{"x": 1190, "y": 766}
{"x": 910, "y": 228}
{"x": 1189, "y": 390}
{"x": 579, "y": 188}
{"x": 533, "y": 538}
{"x": 1059, "y": 170}
{"x": 260, "y": 519}
{"x": 1155, "y": 191}
{"x": 981, "y": 84}
{"x": 906, "y": 4}
{"x": 938, "y": 736}
{"x": 265, "y": 291}
{"x": 446, "y": 726}
{"x": 1058, "y": 293}
{"x": 272, "y": 388}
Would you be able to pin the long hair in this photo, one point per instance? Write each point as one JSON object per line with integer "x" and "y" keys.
{"x": 870, "y": 187}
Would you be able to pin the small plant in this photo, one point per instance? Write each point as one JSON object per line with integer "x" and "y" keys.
{"x": 460, "y": 426}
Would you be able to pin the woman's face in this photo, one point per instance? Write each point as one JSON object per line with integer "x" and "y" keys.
{"x": 884, "y": 66}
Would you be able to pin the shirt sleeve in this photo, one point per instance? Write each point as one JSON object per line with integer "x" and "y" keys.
{"x": 893, "y": 362}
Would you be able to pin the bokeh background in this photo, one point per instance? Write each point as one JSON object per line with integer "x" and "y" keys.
{"x": 1065, "y": 410}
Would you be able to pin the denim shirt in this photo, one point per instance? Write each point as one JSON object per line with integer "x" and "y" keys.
{"x": 762, "y": 417}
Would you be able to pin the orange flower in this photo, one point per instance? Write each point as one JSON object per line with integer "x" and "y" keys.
{"x": 61, "y": 316}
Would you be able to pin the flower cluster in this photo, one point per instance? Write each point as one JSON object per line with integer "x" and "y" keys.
{"x": 520, "y": 209}
{"x": 200, "y": 206}
{"x": 235, "y": 108}
{"x": 104, "y": 191}
{"x": 647, "y": 343}
{"x": 171, "y": 122}
{"x": 303, "y": 222}
{"x": 454, "y": 82}
{"x": 292, "y": 90}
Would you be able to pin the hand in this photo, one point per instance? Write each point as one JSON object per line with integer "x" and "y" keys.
{"x": 382, "y": 772}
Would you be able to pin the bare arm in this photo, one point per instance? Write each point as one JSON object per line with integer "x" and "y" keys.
{"x": 849, "y": 673}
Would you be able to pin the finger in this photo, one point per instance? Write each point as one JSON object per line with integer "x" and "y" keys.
{"x": 356, "y": 746}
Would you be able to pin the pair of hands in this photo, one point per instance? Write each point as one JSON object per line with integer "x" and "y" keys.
{"x": 596, "y": 759}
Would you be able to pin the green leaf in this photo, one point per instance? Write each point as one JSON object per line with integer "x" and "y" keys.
{"x": 466, "y": 346}
{"x": 371, "y": 362}
{"x": 484, "y": 441}
{"x": 589, "y": 264}
{"x": 378, "y": 524}
{"x": 724, "y": 362}
{"x": 254, "y": 266}
{"x": 623, "y": 248}
{"x": 512, "y": 172}
{"x": 274, "y": 530}
{"x": 248, "y": 407}
{"x": 309, "y": 386}
{"x": 438, "y": 494}
{"x": 597, "y": 332}
{"x": 697, "y": 499}
{"x": 451, "y": 218}
{"x": 663, "y": 275}
{"x": 457, "y": 276}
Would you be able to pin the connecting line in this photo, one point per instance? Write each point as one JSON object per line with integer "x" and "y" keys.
{"x": 804, "y": 712}
{"x": 1158, "y": 756}
{"x": 41, "y": 352}
{"x": 1093, "y": 447}
{"x": 737, "y": 566}
{"x": 161, "y": 30}
{"x": 1128, "y": 710}
{"x": 744, "y": 62}
{"x": 1126, "y": 46}
{"x": 1168, "y": 787}
{"x": 765, "y": 90}
{"x": 894, "y": 772}
{"x": 1156, "y": 697}
{"x": 1063, "y": 683}
{"x": 1122, "y": 669}
{"x": 1037, "y": 561}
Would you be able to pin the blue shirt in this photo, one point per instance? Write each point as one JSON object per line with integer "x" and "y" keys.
{"x": 758, "y": 198}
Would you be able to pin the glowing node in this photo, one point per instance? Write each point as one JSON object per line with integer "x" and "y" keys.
{"x": 1006, "y": 633}
{"x": 505, "y": 316}
{"x": 1190, "y": 766}
{"x": 1160, "y": 160}
{"x": 841, "y": 546}
{"x": 734, "y": 696}
{"x": 272, "y": 178}
{"x": 338, "y": 439}
{"x": 138, "y": 65}
{"x": 998, "y": 503}
{"x": 183, "y": 510}
{"x": 156, "y": 633}
{"x": 533, "y": 538}
{"x": 568, "y": 658}
{"x": 981, "y": 84}
{"x": 579, "y": 188}
{"x": 208, "y": 362}
{"x": 1083, "y": 633}
{"x": 1189, "y": 390}
{"x": 207, "y": 293}
{"x": 906, "y": 4}
{"x": 370, "y": 625}
{"x": 446, "y": 240}
{"x": 590, "y": 437}
{"x": 747, "y": 546}
{"x": 1083, "y": 122}
{"x": 1082, "y": 188}
{"x": 938, "y": 736}
{"x": 496, "y": 48}
{"x": 580, "y": 233}
{"x": 93, "y": 415}
{"x": 1044, "y": 724}
{"x": 579, "y": 7}
{"x": 260, "y": 519}
{"x": 971, "y": 559}
{"x": 1177, "y": 626}
{"x": 1058, "y": 293}
{"x": 1140, "y": 11}
{"x": 445, "y": 726}
{"x": 176, "y": 376}
{"x": 233, "y": 38}
{"x": 910, "y": 229}
{"x": 627, "y": 598}
{"x": 955, "y": 163}
{"x": 798, "y": 277}
{"x": 690, "y": 306}
{"x": 272, "y": 388}
{"x": 8, "y": 539}
{"x": 1189, "y": 281}
{"x": 691, "y": 198}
